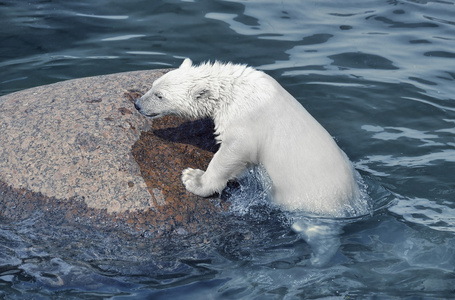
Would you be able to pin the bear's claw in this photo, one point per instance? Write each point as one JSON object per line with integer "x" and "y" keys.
{"x": 193, "y": 181}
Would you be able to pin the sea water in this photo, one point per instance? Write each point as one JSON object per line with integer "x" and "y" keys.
{"x": 378, "y": 75}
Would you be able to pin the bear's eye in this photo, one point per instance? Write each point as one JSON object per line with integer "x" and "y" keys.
{"x": 159, "y": 95}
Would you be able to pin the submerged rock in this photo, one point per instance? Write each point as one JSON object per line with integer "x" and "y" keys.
{"x": 78, "y": 152}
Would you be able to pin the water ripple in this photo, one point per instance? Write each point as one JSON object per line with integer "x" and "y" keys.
{"x": 379, "y": 75}
{"x": 430, "y": 159}
{"x": 102, "y": 16}
{"x": 426, "y": 212}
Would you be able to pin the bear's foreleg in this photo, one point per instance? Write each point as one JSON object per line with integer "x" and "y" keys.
{"x": 226, "y": 164}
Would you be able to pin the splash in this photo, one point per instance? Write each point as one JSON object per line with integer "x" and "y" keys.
{"x": 254, "y": 187}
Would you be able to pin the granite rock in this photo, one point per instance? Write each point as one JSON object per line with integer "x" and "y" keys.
{"x": 77, "y": 151}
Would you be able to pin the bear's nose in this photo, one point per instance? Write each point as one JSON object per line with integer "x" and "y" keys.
{"x": 137, "y": 106}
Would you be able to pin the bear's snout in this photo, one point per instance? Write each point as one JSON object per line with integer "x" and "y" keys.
{"x": 144, "y": 112}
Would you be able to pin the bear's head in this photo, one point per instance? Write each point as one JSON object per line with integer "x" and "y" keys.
{"x": 187, "y": 91}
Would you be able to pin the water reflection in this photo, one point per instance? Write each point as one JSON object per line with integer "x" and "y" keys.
{"x": 323, "y": 235}
{"x": 252, "y": 198}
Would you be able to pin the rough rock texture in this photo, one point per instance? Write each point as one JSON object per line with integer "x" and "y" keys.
{"x": 78, "y": 151}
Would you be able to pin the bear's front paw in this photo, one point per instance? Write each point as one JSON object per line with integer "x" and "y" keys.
{"x": 192, "y": 179}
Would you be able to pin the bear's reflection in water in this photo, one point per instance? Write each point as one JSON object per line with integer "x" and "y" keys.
{"x": 249, "y": 196}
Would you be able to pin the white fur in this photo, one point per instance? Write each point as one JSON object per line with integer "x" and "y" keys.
{"x": 257, "y": 122}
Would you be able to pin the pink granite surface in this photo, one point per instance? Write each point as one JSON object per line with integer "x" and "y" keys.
{"x": 80, "y": 148}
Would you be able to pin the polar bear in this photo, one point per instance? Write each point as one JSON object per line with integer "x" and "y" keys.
{"x": 256, "y": 122}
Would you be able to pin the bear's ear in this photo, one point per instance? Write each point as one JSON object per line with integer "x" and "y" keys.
{"x": 186, "y": 63}
{"x": 202, "y": 93}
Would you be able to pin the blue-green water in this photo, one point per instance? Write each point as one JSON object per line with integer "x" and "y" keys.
{"x": 379, "y": 75}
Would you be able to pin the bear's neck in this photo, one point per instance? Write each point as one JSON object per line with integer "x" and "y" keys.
{"x": 230, "y": 104}
{"x": 227, "y": 85}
